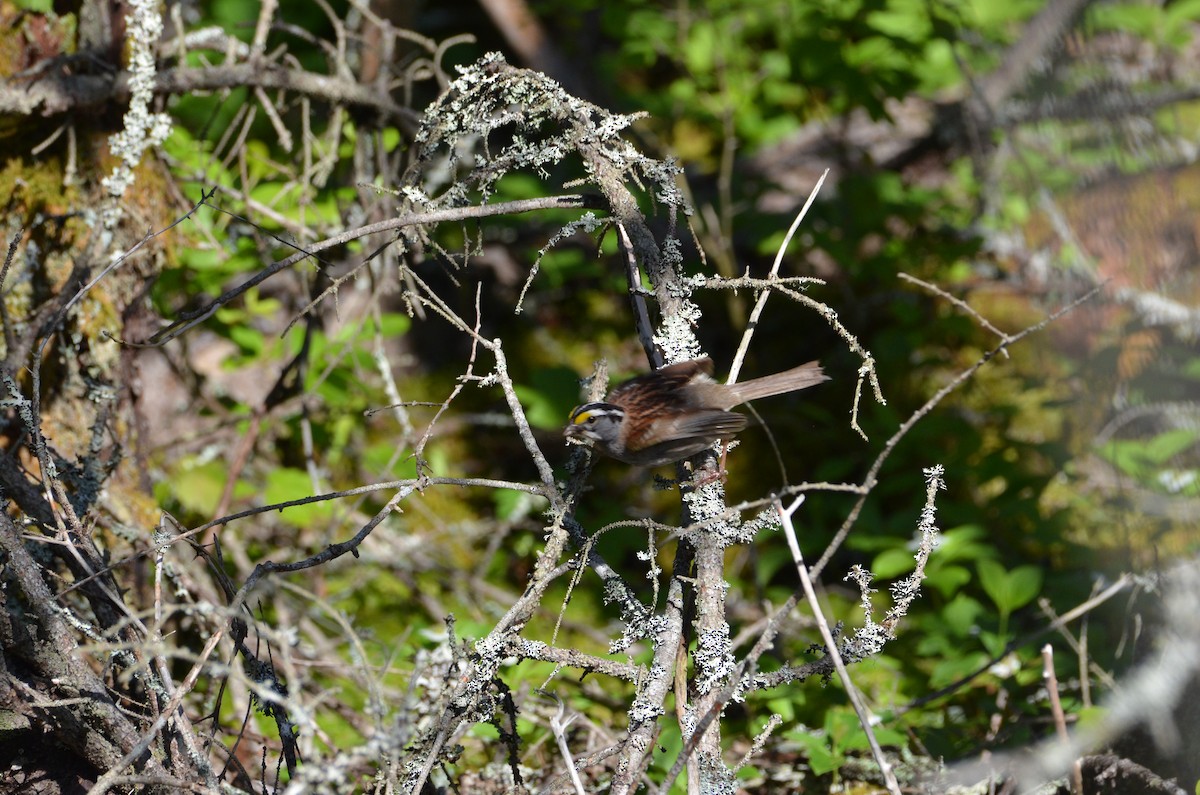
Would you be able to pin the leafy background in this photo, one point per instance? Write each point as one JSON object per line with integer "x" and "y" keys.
{"x": 1055, "y": 485}
{"x": 722, "y": 84}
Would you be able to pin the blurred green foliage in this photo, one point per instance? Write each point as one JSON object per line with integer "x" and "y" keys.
{"x": 841, "y": 734}
{"x": 708, "y": 73}
{"x": 758, "y": 70}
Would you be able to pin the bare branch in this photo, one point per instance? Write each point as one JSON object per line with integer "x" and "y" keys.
{"x": 55, "y": 93}
{"x": 865, "y": 718}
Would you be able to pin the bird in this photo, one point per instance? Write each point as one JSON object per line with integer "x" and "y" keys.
{"x": 676, "y": 411}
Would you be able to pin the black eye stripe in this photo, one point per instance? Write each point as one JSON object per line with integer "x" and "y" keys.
{"x": 591, "y": 412}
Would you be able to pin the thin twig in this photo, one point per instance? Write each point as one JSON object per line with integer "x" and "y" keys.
{"x": 409, "y": 484}
{"x": 1066, "y": 618}
{"x": 559, "y": 725}
{"x": 761, "y": 303}
{"x": 864, "y": 716}
{"x": 760, "y": 740}
{"x": 870, "y": 480}
{"x": 1079, "y": 646}
{"x": 1060, "y": 720}
{"x": 190, "y": 319}
{"x": 637, "y": 298}
{"x": 961, "y": 304}
{"x": 10, "y": 342}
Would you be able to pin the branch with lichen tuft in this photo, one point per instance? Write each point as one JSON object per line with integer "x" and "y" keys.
{"x": 141, "y": 129}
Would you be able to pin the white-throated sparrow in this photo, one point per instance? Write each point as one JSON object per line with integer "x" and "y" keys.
{"x": 673, "y": 413}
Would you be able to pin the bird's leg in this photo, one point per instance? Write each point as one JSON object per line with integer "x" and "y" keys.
{"x": 706, "y": 475}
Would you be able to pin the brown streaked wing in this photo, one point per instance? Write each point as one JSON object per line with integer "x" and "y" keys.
{"x": 707, "y": 425}
{"x": 661, "y": 387}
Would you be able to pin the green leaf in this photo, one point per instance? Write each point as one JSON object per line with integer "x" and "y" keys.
{"x": 284, "y": 485}
{"x": 249, "y": 339}
{"x": 1165, "y": 446}
{"x": 539, "y": 409}
{"x": 892, "y": 563}
{"x": 1191, "y": 369}
{"x": 393, "y": 324}
{"x": 701, "y": 46}
{"x": 902, "y": 23}
{"x": 994, "y": 580}
{"x": 934, "y": 645}
{"x": 1025, "y": 582}
{"x": 785, "y": 707}
{"x": 1127, "y": 457}
{"x": 958, "y": 543}
{"x": 1010, "y": 590}
{"x": 1179, "y": 15}
{"x": 892, "y": 737}
{"x": 961, "y": 614}
{"x": 376, "y": 459}
{"x": 874, "y": 53}
{"x": 857, "y": 740}
{"x": 1093, "y": 717}
{"x": 513, "y": 505}
{"x": 1140, "y": 457}
{"x": 549, "y": 398}
{"x": 953, "y": 668}
{"x": 821, "y": 758}
{"x": 840, "y": 726}
{"x": 199, "y": 488}
{"x": 1138, "y": 19}
{"x": 772, "y": 559}
{"x": 1016, "y": 209}
{"x": 947, "y": 579}
{"x": 391, "y": 139}
{"x": 998, "y": 16}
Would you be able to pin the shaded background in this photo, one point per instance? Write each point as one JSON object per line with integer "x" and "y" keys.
{"x": 1016, "y": 155}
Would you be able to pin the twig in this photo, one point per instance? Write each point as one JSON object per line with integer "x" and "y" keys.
{"x": 331, "y": 552}
{"x": 1060, "y": 721}
{"x": 594, "y": 758}
{"x": 536, "y": 650}
{"x": 1091, "y": 604}
{"x": 961, "y": 304}
{"x": 391, "y": 485}
{"x": 10, "y": 342}
{"x": 110, "y": 778}
{"x": 559, "y": 725}
{"x": 1079, "y": 646}
{"x": 870, "y": 480}
{"x": 866, "y": 641}
{"x": 864, "y": 716}
{"x": 637, "y": 298}
{"x": 647, "y": 705}
{"x": 760, "y": 740}
{"x": 444, "y": 406}
{"x": 190, "y": 319}
{"x": 266, "y": 15}
{"x": 111, "y": 734}
{"x": 57, "y": 92}
{"x": 761, "y": 303}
